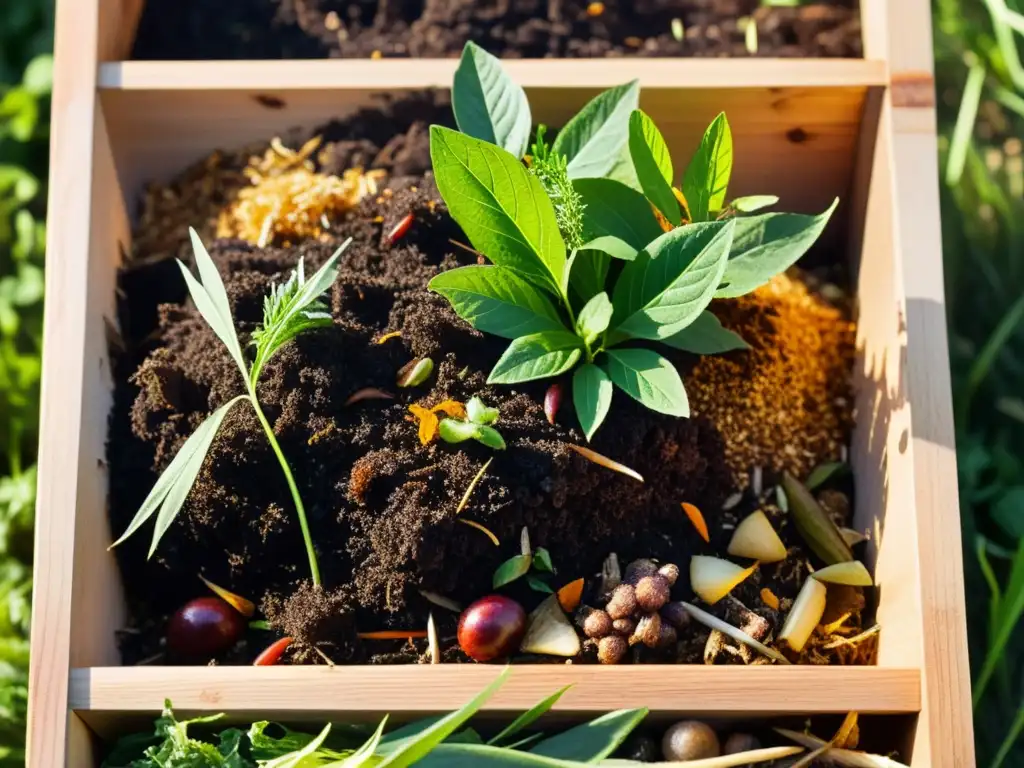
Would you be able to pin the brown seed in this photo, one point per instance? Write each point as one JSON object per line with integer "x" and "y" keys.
{"x": 671, "y": 573}
{"x": 648, "y": 631}
{"x": 676, "y": 615}
{"x": 622, "y": 603}
{"x": 690, "y": 740}
{"x": 624, "y": 627}
{"x": 740, "y": 742}
{"x": 638, "y": 569}
{"x": 652, "y": 592}
{"x": 668, "y": 636}
{"x": 611, "y": 649}
{"x": 597, "y": 624}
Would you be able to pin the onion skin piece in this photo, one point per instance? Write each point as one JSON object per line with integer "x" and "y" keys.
{"x": 851, "y": 573}
{"x": 814, "y": 525}
{"x": 712, "y": 578}
{"x": 755, "y": 538}
{"x": 549, "y": 631}
{"x": 805, "y": 615}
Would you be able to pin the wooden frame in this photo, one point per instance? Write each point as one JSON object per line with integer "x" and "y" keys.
{"x": 866, "y": 132}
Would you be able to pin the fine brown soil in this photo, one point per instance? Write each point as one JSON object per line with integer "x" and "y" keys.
{"x": 313, "y": 29}
{"x": 381, "y": 505}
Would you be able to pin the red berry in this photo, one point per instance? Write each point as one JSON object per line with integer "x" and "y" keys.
{"x": 492, "y": 628}
{"x": 204, "y": 627}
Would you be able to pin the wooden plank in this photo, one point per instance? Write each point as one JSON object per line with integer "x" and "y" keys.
{"x": 437, "y": 73}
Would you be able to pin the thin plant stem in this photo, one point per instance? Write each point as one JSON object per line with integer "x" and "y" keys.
{"x": 987, "y": 356}
{"x": 1011, "y": 738}
{"x": 299, "y": 508}
{"x": 964, "y": 128}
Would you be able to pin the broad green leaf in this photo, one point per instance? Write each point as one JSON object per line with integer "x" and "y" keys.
{"x": 592, "y": 397}
{"x": 537, "y": 356}
{"x": 456, "y": 431}
{"x": 649, "y": 379}
{"x": 497, "y": 300}
{"x": 512, "y": 569}
{"x": 297, "y": 759}
{"x": 766, "y": 245}
{"x": 594, "y": 318}
{"x": 529, "y": 717}
{"x": 500, "y": 205}
{"x": 487, "y": 104}
{"x": 407, "y": 751}
{"x": 653, "y": 165}
{"x": 753, "y": 203}
{"x": 198, "y": 441}
{"x": 592, "y": 741}
{"x": 706, "y": 336}
{"x": 182, "y": 483}
{"x": 671, "y": 281}
{"x": 707, "y": 176}
{"x": 593, "y": 140}
{"x": 589, "y": 270}
{"x": 617, "y": 219}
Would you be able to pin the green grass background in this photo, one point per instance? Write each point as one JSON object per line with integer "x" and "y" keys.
{"x": 981, "y": 121}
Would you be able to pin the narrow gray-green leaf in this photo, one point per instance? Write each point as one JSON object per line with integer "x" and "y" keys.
{"x": 529, "y": 717}
{"x": 487, "y": 104}
{"x": 170, "y": 475}
{"x": 706, "y": 336}
{"x": 653, "y": 165}
{"x": 537, "y": 356}
{"x": 207, "y": 307}
{"x": 593, "y": 140}
{"x": 672, "y": 281}
{"x": 500, "y": 205}
{"x": 594, "y": 740}
{"x": 707, "y": 176}
{"x": 497, "y": 300}
{"x": 752, "y": 203}
{"x": 194, "y": 450}
{"x": 617, "y": 219}
{"x": 592, "y": 397}
{"x": 594, "y": 318}
{"x": 407, "y": 751}
{"x": 766, "y": 245}
{"x": 512, "y": 569}
{"x": 649, "y": 379}
{"x": 214, "y": 286}
{"x": 588, "y": 274}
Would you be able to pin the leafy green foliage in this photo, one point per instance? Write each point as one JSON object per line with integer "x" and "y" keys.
{"x": 476, "y": 426}
{"x": 584, "y": 265}
{"x": 488, "y": 104}
{"x": 535, "y": 565}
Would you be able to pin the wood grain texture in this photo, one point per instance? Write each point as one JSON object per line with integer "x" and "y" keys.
{"x": 404, "y": 74}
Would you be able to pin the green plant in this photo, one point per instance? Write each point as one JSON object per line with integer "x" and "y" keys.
{"x": 534, "y": 564}
{"x": 476, "y": 426}
{"x": 289, "y": 310}
{"x": 553, "y": 230}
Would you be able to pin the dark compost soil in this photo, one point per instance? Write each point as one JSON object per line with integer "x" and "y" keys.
{"x": 381, "y": 506}
{"x": 312, "y": 29}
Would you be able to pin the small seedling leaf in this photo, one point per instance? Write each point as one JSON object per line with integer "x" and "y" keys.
{"x": 490, "y": 437}
{"x": 707, "y": 176}
{"x": 591, "y": 396}
{"x": 594, "y": 318}
{"x": 478, "y": 413}
{"x": 512, "y": 569}
{"x": 488, "y": 104}
{"x": 753, "y": 203}
{"x": 653, "y": 165}
{"x": 542, "y": 560}
{"x": 538, "y": 584}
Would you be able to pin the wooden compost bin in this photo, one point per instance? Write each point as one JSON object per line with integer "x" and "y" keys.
{"x": 806, "y": 129}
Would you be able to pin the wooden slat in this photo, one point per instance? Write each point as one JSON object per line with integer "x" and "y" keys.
{"x": 437, "y": 73}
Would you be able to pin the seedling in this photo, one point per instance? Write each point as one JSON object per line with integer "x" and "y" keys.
{"x": 475, "y": 426}
{"x": 289, "y": 310}
{"x": 534, "y": 564}
{"x": 582, "y": 264}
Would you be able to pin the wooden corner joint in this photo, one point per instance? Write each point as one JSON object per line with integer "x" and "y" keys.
{"x": 912, "y": 89}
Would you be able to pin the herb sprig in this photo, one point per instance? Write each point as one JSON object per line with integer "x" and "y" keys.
{"x": 289, "y": 310}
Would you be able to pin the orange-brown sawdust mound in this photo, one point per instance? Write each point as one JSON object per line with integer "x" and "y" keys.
{"x": 785, "y": 404}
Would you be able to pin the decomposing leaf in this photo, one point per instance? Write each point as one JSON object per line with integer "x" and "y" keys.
{"x": 549, "y": 632}
{"x": 369, "y": 393}
{"x": 427, "y": 421}
{"x": 755, "y": 538}
{"x": 804, "y": 616}
{"x": 697, "y": 520}
{"x": 712, "y": 578}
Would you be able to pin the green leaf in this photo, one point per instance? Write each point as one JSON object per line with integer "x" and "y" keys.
{"x": 594, "y": 318}
{"x": 653, "y": 165}
{"x": 766, "y": 245}
{"x": 488, "y": 105}
{"x": 649, "y": 379}
{"x": 529, "y": 717}
{"x": 537, "y": 584}
{"x": 822, "y": 473}
{"x": 405, "y": 752}
{"x": 593, "y": 140}
{"x": 479, "y": 413}
{"x": 364, "y": 756}
{"x": 707, "y": 176}
{"x": 297, "y": 759}
{"x": 592, "y": 397}
{"x": 592, "y": 741}
{"x": 490, "y": 437}
{"x": 617, "y": 219}
{"x": 500, "y": 205}
{"x": 512, "y": 569}
{"x": 496, "y": 300}
{"x": 542, "y": 560}
{"x": 1008, "y": 512}
{"x": 178, "y": 473}
{"x": 672, "y": 281}
{"x": 706, "y": 336}
{"x": 589, "y": 270}
{"x": 456, "y": 431}
{"x": 212, "y": 300}
{"x": 753, "y": 203}
{"x": 537, "y": 356}
{"x": 293, "y": 308}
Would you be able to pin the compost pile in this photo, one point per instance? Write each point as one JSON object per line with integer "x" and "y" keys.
{"x": 284, "y": 29}
{"x": 382, "y": 506}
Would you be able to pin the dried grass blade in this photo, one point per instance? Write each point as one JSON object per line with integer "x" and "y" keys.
{"x": 482, "y": 529}
{"x": 239, "y": 603}
{"x": 848, "y": 758}
{"x": 697, "y": 520}
{"x": 472, "y": 486}
{"x": 713, "y": 622}
{"x": 739, "y": 759}
{"x": 605, "y": 462}
{"x": 389, "y": 336}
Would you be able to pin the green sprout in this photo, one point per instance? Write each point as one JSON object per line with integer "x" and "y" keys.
{"x": 476, "y": 426}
